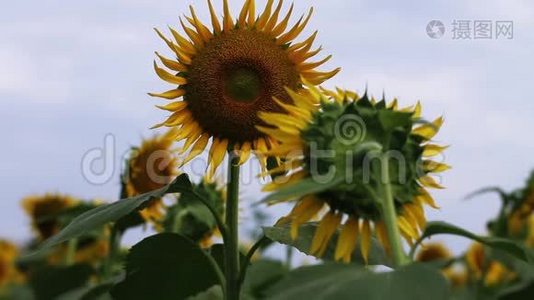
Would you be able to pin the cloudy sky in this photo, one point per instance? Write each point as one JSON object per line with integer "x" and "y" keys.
{"x": 74, "y": 72}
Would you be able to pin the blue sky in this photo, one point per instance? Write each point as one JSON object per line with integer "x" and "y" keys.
{"x": 73, "y": 72}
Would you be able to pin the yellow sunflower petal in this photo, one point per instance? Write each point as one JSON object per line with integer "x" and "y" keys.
{"x": 433, "y": 150}
{"x": 168, "y": 76}
{"x": 296, "y": 30}
{"x": 201, "y": 28}
{"x": 184, "y": 45}
{"x": 242, "y": 20}
{"x": 274, "y": 18}
{"x": 228, "y": 23}
{"x": 174, "y": 106}
{"x": 172, "y": 94}
{"x": 198, "y": 42}
{"x": 245, "y": 152}
{"x": 251, "y": 13}
{"x": 217, "y": 154}
{"x": 429, "y": 181}
{"x": 198, "y": 148}
{"x": 346, "y": 242}
{"x": 365, "y": 242}
{"x": 428, "y": 131}
{"x": 306, "y": 44}
{"x": 406, "y": 227}
{"x": 283, "y": 24}
{"x": 185, "y": 131}
{"x": 264, "y": 17}
{"x": 214, "y": 19}
{"x": 426, "y": 198}
{"x": 192, "y": 138}
{"x": 169, "y": 43}
{"x": 171, "y": 64}
{"x": 309, "y": 66}
{"x": 324, "y": 232}
{"x": 303, "y": 211}
{"x": 435, "y": 167}
{"x": 382, "y": 236}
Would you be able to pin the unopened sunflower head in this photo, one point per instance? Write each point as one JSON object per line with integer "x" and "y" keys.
{"x": 152, "y": 166}
{"x": 226, "y": 74}
{"x": 193, "y": 219}
{"x": 43, "y": 211}
{"x": 523, "y": 209}
{"x": 337, "y": 137}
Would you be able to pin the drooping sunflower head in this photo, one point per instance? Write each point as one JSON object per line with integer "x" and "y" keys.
{"x": 192, "y": 219}
{"x": 482, "y": 267}
{"x": 44, "y": 210}
{"x": 226, "y": 74}
{"x": 152, "y": 166}
{"x": 522, "y": 210}
{"x": 345, "y": 140}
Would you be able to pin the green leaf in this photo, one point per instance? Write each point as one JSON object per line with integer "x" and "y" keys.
{"x": 339, "y": 281}
{"x": 301, "y": 188}
{"x": 166, "y": 266}
{"x": 261, "y": 275}
{"x": 51, "y": 282}
{"x": 508, "y": 246}
{"x": 112, "y": 212}
{"x": 521, "y": 294}
{"x": 99, "y": 292}
{"x": 281, "y": 234}
{"x": 487, "y": 190}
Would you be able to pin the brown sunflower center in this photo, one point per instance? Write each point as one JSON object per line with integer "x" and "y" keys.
{"x": 235, "y": 76}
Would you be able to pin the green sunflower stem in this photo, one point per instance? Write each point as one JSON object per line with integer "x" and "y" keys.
{"x": 390, "y": 217}
{"x": 232, "y": 243}
{"x": 114, "y": 246}
{"x": 72, "y": 244}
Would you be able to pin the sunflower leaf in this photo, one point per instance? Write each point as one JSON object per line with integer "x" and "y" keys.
{"x": 104, "y": 214}
{"x": 508, "y": 246}
{"x": 281, "y": 234}
{"x": 51, "y": 282}
{"x": 340, "y": 281}
{"x": 166, "y": 266}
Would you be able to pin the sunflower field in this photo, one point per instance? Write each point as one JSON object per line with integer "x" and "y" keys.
{"x": 357, "y": 172}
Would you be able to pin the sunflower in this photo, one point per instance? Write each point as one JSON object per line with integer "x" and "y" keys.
{"x": 43, "y": 211}
{"x": 438, "y": 252}
{"x": 318, "y": 121}
{"x": 8, "y": 271}
{"x": 88, "y": 251}
{"x": 433, "y": 252}
{"x": 482, "y": 268}
{"x": 228, "y": 73}
{"x": 150, "y": 167}
{"x": 518, "y": 218}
